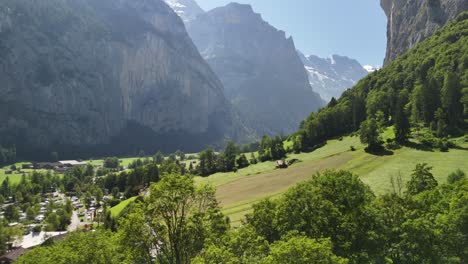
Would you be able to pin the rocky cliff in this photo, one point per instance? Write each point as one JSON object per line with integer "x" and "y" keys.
{"x": 411, "y": 21}
{"x": 186, "y": 9}
{"x": 330, "y": 77}
{"x": 262, "y": 73}
{"x": 118, "y": 74}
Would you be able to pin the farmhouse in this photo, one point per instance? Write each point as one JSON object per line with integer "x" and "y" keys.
{"x": 281, "y": 164}
{"x": 72, "y": 163}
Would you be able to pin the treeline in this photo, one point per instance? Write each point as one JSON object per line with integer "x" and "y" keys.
{"x": 425, "y": 88}
{"x": 234, "y": 157}
{"x": 332, "y": 218}
{"x": 7, "y": 155}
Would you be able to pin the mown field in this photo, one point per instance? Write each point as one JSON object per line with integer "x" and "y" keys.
{"x": 238, "y": 191}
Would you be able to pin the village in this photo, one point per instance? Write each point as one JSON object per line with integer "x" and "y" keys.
{"x": 54, "y": 212}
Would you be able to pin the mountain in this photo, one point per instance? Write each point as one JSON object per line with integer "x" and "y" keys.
{"x": 410, "y": 22}
{"x": 262, "y": 73}
{"x": 103, "y": 76}
{"x": 425, "y": 88}
{"x": 330, "y": 77}
{"x": 186, "y": 9}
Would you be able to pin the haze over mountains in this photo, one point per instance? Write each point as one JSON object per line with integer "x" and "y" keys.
{"x": 262, "y": 74}
{"x": 75, "y": 75}
{"x": 102, "y": 76}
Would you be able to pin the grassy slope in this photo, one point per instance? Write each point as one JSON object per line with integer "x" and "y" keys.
{"x": 238, "y": 191}
{"x": 115, "y": 211}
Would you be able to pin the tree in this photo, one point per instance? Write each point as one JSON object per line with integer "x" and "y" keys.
{"x": 402, "y": 124}
{"x": 207, "y": 164}
{"x": 370, "y": 134}
{"x": 421, "y": 180}
{"x": 242, "y": 161}
{"x": 451, "y": 100}
{"x": 440, "y": 118}
{"x": 158, "y": 157}
{"x": 175, "y": 220}
{"x": 456, "y": 176}
{"x": 253, "y": 159}
{"x": 303, "y": 250}
{"x": 12, "y": 213}
{"x": 230, "y": 153}
{"x": 111, "y": 163}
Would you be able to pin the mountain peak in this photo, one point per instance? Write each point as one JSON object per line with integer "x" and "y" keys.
{"x": 186, "y": 9}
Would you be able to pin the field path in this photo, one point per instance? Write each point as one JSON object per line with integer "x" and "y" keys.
{"x": 265, "y": 184}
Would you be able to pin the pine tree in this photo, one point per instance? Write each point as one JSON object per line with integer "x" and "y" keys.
{"x": 402, "y": 125}
{"x": 451, "y": 100}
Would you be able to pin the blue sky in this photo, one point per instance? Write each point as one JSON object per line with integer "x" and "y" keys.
{"x": 355, "y": 28}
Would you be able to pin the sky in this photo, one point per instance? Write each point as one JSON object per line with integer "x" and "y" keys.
{"x": 354, "y": 28}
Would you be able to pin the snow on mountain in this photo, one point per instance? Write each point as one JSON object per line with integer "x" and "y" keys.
{"x": 186, "y": 9}
{"x": 370, "y": 68}
{"x": 330, "y": 77}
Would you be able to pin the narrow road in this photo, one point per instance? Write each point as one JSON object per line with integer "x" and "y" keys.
{"x": 75, "y": 222}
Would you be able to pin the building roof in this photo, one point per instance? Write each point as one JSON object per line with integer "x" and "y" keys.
{"x": 72, "y": 162}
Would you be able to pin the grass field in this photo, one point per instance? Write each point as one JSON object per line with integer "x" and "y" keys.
{"x": 116, "y": 210}
{"x": 238, "y": 191}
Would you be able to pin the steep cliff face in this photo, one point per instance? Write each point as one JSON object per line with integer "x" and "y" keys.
{"x": 412, "y": 21}
{"x": 82, "y": 72}
{"x": 330, "y": 77}
{"x": 262, "y": 74}
{"x": 186, "y": 9}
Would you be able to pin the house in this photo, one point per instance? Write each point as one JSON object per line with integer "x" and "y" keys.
{"x": 27, "y": 166}
{"x": 281, "y": 164}
{"x": 45, "y": 165}
{"x": 72, "y": 163}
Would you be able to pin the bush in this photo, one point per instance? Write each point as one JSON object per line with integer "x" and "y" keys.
{"x": 352, "y": 148}
{"x": 37, "y": 229}
{"x": 113, "y": 202}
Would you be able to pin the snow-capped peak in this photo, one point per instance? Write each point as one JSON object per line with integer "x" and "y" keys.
{"x": 370, "y": 68}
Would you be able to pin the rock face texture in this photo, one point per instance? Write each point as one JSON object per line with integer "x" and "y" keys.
{"x": 262, "y": 73}
{"x": 124, "y": 74}
{"x": 330, "y": 77}
{"x": 411, "y": 21}
{"x": 186, "y": 9}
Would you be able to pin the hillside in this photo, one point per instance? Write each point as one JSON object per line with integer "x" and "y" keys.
{"x": 422, "y": 88}
{"x": 237, "y": 192}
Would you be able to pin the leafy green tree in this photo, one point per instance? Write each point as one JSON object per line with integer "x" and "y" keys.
{"x": 253, "y": 159}
{"x": 402, "y": 124}
{"x": 176, "y": 220}
{"x": 158, "y": 157}
{"x": 456, "y": 176}
{"x": 230, "y": 153}
{"x": 303, "y": 250}
{"x": 111, "y": 163}
{"x": 12, "y": 213}
{"x": 79, "y": 248}
{"x": 421, "y": 180}
{"x": 370, "y": 134}
{"x": 242, "y": 161}
{"x": 207, "y": 164}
